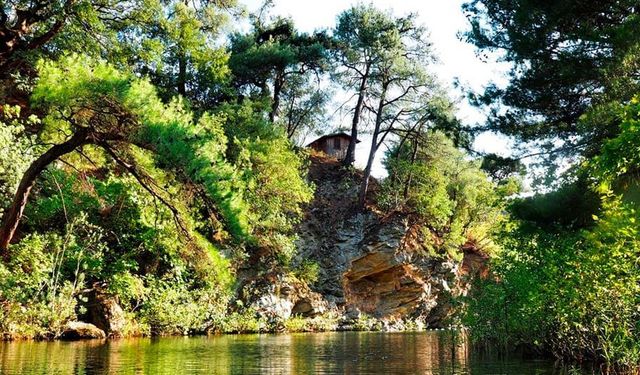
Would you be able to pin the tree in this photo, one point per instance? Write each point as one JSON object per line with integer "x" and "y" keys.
{"x": 98, "y": 105}
{"x": 569, "y": 58}
{"x": 176, "y": 43}
{"x": 501, "y": 168}
{"x": 32, "y": 29}
{"x": 399, "y": 84}
{"x": 362, "y": 35}
{"x": 451, "y": 196}
{"x": 275, "y": 56}
{"x": 305, "y": 106}
{"x": 27, "y": 26}
{"x": 254, "y": 186}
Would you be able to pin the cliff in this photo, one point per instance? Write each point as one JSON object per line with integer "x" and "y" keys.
{"x": 370, "y": 263}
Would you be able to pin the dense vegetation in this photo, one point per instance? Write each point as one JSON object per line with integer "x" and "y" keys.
{"x": 165, "y": 158}
{"x": 162, "y": 160}
{"x": 566, "y": 281}
{"x": 118, "y": 171}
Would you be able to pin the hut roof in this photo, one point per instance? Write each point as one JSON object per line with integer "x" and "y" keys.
{"x": 333, "y": 135}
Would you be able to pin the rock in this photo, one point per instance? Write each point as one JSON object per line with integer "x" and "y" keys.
{"x": 396, "y": 277}
{"x": 104, "y": 311}
{"x": 81, "y": 331}
{"x": 352, "y": 313}
{"x": 384, "y": 282}
{"x": 272, "y": 306}
{"x": 277, "y": 297}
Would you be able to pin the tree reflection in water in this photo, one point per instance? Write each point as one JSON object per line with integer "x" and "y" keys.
{"x": 319, "y": 353}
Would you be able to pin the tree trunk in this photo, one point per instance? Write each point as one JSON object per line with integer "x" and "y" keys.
{"x": 14, "y": 40}
{"x": 182, "y": 74}
{"x": 350, "y": 156}
{"x": 278, "y": 84}
{"x": 364, "y": 187}
{"x": 182, "y": 63}
{"x": 13, "y": 214}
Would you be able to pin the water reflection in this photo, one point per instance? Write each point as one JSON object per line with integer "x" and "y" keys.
{"x": 322, "y": 353}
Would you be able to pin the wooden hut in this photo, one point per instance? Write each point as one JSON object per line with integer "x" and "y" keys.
{"x": 335, "y": 145}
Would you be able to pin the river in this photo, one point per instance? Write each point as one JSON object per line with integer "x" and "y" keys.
{"x": 312, "y": 353}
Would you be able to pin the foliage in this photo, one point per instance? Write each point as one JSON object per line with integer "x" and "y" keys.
{"x": 573, "y": 293}
{"x": 320, "y": 323}
{"x": 124, "y": 187}
{"x": 18, "y": 150}
{"x": 277, "y": 62}
{"x": 365, "y": 322}
{"x": 569, "y": 267}
{"x": 39, "y": 285}
{"x": 295, "y": 324}
{"x": 61, "y": 25}
{"x": 569, "y": 58}
{"x": 273, "y": 176}
{"x": 571, "y": 206}
{"x": 373, "y": 49}
{"x": 618, "y": 163}
{"x": 179, "y": 142}
{"x": 307, "y": 271}
{"x": 501, "y": 168}
{"x": 171, "y": 307}
{"x": 174, "y": 43}
{"x": 450, "y": 194}
{"x": 245, "y": 322}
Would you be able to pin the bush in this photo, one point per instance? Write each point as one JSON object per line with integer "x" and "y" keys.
{"x": 172, "y": 308}
{"x": 240, "y": 322}
{"x": 575, "y": 294}
{"x": 36, "y": 300}
{"x": 307, "y": 272}
{"x": 450, "y": 194}
{"x": 296, "y": 324}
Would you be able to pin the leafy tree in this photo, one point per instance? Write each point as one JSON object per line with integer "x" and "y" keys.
{"x": 273, "y": 176}
{"x": 570, "y": 207}
{"x": 618, "y": 164}
{"x": 101, "y": 106}
{"x": 571, "y": 293}
{"x": 569, "y": 264}
{"x": 18, "y": 151}
{"x": 569, "y": 58}
{"x": 305, "y": 106}
{"x": 452, "y": 197}
{"x": 122, "y": 115}
{"x": 29, "y": 26}
{"x": 501, "y": 168}
{"x": 278, "y": 61}
{"x": 362, "y": 35}
{"x": 400, "y": 86}
{"x": 176, "y": 43}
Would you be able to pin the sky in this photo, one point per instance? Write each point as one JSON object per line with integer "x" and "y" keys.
{"x": 457, "y": 60}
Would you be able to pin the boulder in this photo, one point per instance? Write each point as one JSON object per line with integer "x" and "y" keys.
{"x": 278, "y": 297}
{"x": 104, "y": 311}
{"x": 81, "y": 331}
{"x": 273, "y": 306}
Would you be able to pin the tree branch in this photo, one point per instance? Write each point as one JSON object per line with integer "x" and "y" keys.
{"x": 145, "y": 181}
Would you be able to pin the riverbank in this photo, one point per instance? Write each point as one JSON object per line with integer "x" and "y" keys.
{"x": 234, "y": 323}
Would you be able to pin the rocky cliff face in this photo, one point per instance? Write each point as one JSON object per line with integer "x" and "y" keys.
{"x": 374, "y": 263}
{"x": 370, "y": 262}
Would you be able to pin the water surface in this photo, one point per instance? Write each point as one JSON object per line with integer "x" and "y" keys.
{"x": 312, "y": 353}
